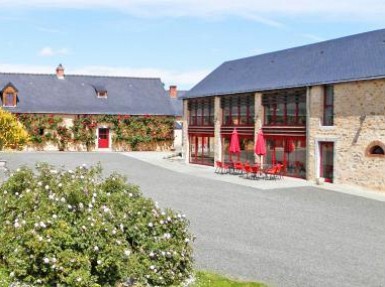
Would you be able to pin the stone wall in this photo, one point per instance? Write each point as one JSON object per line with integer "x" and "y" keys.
{"x": 359, "y": 120}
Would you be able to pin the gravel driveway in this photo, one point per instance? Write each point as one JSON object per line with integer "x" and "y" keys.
{"x": 298, "y": 236}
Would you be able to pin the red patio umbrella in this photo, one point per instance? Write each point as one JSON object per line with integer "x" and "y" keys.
{"x": 260, "y": 146}
{"x": 234, "y": 143}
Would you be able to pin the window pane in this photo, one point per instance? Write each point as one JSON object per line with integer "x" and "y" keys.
{"x": 280, "y": 114}
{"x": 9, "y": 100}
{"x": 301, "y": 113}
{"x": 269, "y": 111}
{"x": 291, "y": 113}
{"x": 329, "y": 95}
{"x": 328, "y": 116}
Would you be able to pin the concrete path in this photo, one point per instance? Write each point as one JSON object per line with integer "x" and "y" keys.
{"x": 298, "y": 235}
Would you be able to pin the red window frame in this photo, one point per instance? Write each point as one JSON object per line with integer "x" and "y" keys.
{"x": 234, "y": 105}
{"x": 197, "y": 108}
{"x": 271, "y": 104}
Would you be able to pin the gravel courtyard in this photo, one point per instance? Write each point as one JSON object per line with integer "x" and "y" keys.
{"x": 295, "y": 236}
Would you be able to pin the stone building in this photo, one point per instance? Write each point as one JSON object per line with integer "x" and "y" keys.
{"x": 102, "y": 104}
{"x": 321, "y": 108}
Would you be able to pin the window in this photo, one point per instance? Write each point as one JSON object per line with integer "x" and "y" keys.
{"x": 376, "y": 149}
{"x": 284, "y": 109}
{"x": 238, "y": 110}
{"x": 102, "y": 94}
{"x": 328, "y": 105}
{"x": 9, "y": 100}
{"x": 201, "y": 112}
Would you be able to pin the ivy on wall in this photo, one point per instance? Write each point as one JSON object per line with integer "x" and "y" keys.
{"x": 129, "y": 132}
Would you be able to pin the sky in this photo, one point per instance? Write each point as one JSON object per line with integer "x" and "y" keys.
{"x": 180, "y": 41}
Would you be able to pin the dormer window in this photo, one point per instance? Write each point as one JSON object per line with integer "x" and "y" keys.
{"x": 9, "y": 96}
{"x": 102, "y": 94}
{"x": 101, "y": 91}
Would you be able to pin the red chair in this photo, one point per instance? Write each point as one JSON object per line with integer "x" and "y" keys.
{"x": 221, "y": 167}
{"x": 246, "y": 170}
{"x": 255, "y": 170}
{"x": 238, "y": 167}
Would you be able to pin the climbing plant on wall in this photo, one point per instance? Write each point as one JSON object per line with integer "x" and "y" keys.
{"x": 129, "y": 132}
{"x": 41, "y": 128}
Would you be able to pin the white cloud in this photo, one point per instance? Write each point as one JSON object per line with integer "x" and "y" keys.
{"x": 183, "y": 79}
{"x": 49, "y": 52}
{"x": 259, "y": 10}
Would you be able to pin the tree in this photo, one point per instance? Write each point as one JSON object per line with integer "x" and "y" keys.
{"x": 12, "y": 132}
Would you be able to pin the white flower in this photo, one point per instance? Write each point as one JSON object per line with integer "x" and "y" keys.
{"x": 96, "y": 248}
{"x": 161, "y": 222}
{"x": 18, "y": 169}
{"x": 69, "y": 206}
{"x": 60, "y": 184}
{"x": 187, "y": 240}
{"x": 53, "y": 260}
{"x": 46, "y": 260}
{"x": 17, "y": 225}
{"x": 46, "y": 187}
{"x": 82, "y": 177}
{"x": 81, "y": 205}
{"x": 62, "y": 199}
{"x": 130, "y": 194}
{"x": 121, "y": 227}
{"x": 127, "y": 252}
{"x": 5, "y": 192}
{"x": 114, "y": 231}
{"x": 150, "y": 224}
{"x": 70, "y": 171}
{"x": 167, "y": 235}
{"x": 27, "y": 190}
{"x": 54, "y": 216}
{"x": 42, "y": 224}
{"x": 152, "y": 254}
{"x": 39, "y": 183}
{"x": 99, "y": 262}
{"x": 83, "y": 227}
{"x": 152, "y": 267}
{"x": 78, "y": 279}
{"x": 12, "y": 274}
{"x": 53, "y": 171}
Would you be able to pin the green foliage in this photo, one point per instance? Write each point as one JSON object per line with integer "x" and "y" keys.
{"x": 74, "y": 228}
{"x": 12, "y": 132}
{"x": 207, "y": 279}
{"x": 41, "y": 128}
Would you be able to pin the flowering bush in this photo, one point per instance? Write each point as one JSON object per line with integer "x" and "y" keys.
{"x": 74, "y": 228}
{"x": 12, "y": 133}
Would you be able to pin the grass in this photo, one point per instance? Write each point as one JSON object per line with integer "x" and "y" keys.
{"x": 208, "y": 279}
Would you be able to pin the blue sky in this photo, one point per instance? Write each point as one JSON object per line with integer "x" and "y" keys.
{"x": 178, "y": 41}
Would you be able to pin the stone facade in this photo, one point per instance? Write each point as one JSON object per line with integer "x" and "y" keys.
{"x": 359, "y": 120}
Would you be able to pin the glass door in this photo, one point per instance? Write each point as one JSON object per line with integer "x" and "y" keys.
{"x": 326, "y": 162}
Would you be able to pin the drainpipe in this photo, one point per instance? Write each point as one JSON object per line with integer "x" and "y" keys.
{"x": 308, "y": 115}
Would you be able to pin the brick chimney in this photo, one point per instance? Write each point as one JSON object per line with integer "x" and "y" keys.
{"x": 60, "y": 72}
{"x": 173, "y": 92}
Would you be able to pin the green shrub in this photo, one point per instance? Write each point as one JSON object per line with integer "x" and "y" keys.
{"x": 74, "y": 228}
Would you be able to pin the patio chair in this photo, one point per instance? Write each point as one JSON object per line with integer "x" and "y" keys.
{"x": 246, "y": 170}
{"x": 238, "y": 167}
{"x": 255, "y": 170}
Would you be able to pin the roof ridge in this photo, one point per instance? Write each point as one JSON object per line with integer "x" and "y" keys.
{"x": 81, "y": 75}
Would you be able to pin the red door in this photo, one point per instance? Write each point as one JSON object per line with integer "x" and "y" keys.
{"x": 103, "y": 140}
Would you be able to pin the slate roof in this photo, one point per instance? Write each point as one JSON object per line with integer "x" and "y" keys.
{"x": 356, "y": 57}
{"x": 78, "y": 94}
{"x": 177, "y": 103}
